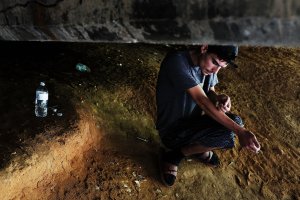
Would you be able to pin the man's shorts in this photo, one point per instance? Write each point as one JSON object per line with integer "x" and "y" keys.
{"x": 202, "y": 130}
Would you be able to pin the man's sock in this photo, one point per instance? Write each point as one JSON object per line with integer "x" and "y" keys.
{"x": 174, "y": 157}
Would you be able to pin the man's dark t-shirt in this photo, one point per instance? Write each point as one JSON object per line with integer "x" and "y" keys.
{"x": 177, "y": 74}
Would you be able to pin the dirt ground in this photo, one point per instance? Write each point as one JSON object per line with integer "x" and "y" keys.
{"x": 105, "y": 146}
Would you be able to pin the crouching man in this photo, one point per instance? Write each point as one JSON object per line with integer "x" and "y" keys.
{"x": 192, "y": 119}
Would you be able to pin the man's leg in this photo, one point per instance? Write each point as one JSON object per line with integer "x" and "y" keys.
{"x": 228, "y": 136}
{"x": 171, "y": 160}
{"x": 198, "y": 139}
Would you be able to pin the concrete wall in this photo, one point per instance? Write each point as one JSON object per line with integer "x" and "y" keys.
{"x": 263, "y": 22}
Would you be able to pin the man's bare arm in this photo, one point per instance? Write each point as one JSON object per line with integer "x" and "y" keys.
{"x": 221, "y": 101}
{"x": 212, "y": 95}
{"x": 246, "y": 138}
{"x": 210, "y": 109}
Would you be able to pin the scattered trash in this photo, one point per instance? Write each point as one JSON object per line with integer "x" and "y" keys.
{"x": 189, "y": 160}
{"x": 127, "y": 188}
{"x": 55, "y": 111}
{"x": 177, "y": 195}
{"x": 97, "y": 187}
{"x": 134, "y": 174}
{"x": 140, "y": 177}
{"x": 13, "y": 153}
{"x": 82, "y": 68}
{"x": 142, "y": 139}
{"x": 138, "y": 184}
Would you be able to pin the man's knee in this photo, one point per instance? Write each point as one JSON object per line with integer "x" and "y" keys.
{"x": 237, "y": 119}
{"x": 228, "y": 139}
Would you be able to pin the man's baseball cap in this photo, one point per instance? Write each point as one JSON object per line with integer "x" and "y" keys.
{"x": 226, "y": 52}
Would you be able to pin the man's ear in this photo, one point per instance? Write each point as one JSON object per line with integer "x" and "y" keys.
{"x": 203, "y": 49}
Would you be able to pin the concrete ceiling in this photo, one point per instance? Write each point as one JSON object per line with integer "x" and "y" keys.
{"x": 247, "y": 22}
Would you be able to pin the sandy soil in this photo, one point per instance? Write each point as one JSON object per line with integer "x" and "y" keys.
{"x": 105, "y": 145}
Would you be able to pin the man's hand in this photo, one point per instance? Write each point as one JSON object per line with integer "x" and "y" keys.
{"x": 248, "y": 140}
{"x": 223, "y": 103}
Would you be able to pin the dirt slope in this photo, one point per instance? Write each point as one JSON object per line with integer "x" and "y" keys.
{"x": 105, "y": 145}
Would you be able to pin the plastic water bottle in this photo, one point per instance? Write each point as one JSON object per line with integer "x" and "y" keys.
{"x": 41, "y": 100}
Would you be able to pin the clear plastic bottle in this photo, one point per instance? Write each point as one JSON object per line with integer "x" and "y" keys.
{"x": 41, "y": 101}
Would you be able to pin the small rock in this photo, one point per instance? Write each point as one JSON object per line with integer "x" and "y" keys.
{"x": 158, "y": 191}
{"x": 239, "y": 181}
{"x": 177, "y": 195}
{"x": 231, "y": 163}
{"x": 266, "y": 192}
{"x": 250, "y": 178}
{"x": 128, "y": 190}
{"x": 97, "y": 187}
{"x": 59, "y": 114}
{"x": 278, "y": 151}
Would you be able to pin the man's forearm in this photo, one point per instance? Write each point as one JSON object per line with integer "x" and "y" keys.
{"x": 210, "y": 109}
{"x": 219, "y": 116}
{"x": 212, "y": 95}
